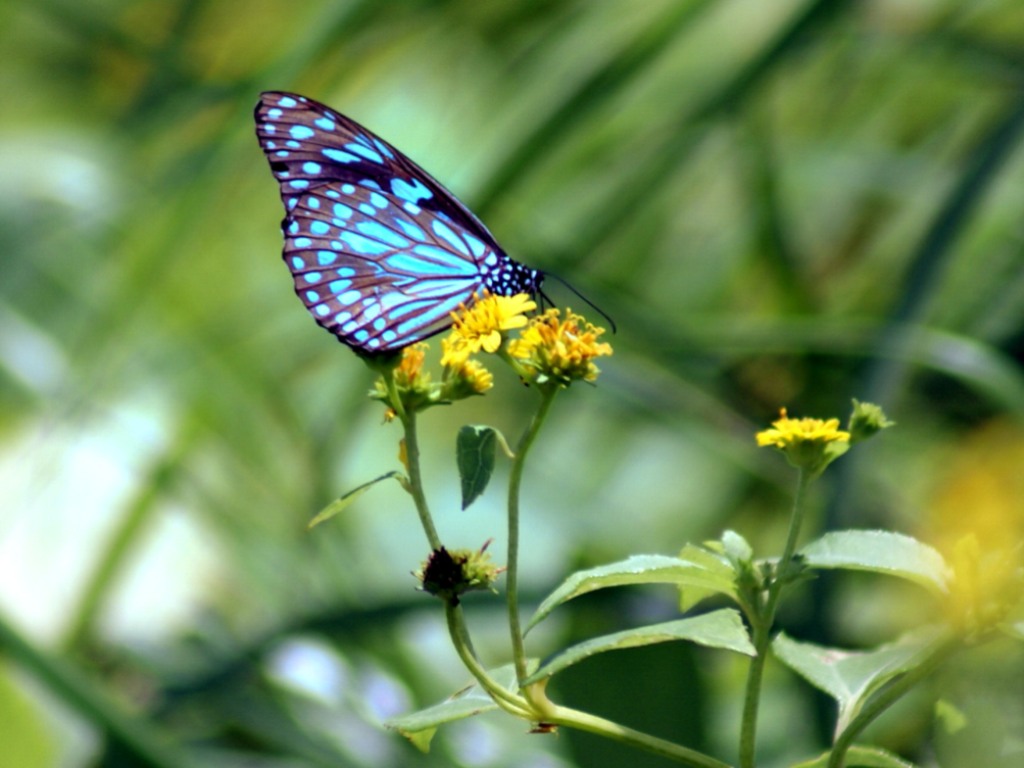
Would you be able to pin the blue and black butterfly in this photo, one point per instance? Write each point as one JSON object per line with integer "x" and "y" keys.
{"x": 381, "y": 253}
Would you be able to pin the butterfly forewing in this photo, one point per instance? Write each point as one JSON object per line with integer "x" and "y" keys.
{"x": 380, "y": 252}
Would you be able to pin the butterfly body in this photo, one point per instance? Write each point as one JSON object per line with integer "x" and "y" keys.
{"x": 381, "y": 253}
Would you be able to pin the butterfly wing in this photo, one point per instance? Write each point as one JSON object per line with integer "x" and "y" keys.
{"x": 381, "y": 253}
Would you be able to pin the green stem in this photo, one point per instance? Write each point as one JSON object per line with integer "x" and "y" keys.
{"x": 504, "y": 698}
{"x": 762, "y": 622}
{"x": 751, "y": 699}
{"x": 412, "y": 459}
{"x": 541, "y": 710}
{"x": 889, "y": 696}
{"x": 512, "y": 562}
{"x": 584, "y": 721}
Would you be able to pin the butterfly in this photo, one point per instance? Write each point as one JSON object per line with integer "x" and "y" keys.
{"x": 381, "y": 253}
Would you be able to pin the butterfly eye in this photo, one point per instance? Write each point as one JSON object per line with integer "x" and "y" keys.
{"x": 380, "y": 252}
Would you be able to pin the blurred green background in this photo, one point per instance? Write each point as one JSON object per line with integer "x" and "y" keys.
{"x": 785, "y": 203}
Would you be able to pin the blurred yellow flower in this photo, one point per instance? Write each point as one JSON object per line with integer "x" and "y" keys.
{"x": 976, "y": 519}
{"x": 560, "y": 350}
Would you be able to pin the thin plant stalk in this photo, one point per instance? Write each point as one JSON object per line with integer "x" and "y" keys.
{"x": 415, "y": 486}
{"x": 504, "y": 698}
{"x": 762, "y": 621}
{"x": 558, "y": 715}
{"x": 512, "y": 562}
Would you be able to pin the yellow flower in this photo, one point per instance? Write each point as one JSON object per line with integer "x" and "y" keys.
{"x": 412, "y": 384}
{"x": 465, "y": 378}
{"x": 477, "y": 378}
{"x": 810, "y": 444}
{"x": 453, "y": 352}
{"x": 787, "y": 432}
{"x": 480, "y": 326}
{"x": 560, "y": 350}
{"x": 408, "y": 371}
{"x": 462, "y": 377}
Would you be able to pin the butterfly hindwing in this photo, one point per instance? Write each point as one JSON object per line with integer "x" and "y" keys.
{"x": 380, "y": 252}
{"x": 365, "y": 276}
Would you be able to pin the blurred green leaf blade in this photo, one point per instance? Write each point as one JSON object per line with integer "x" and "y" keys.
{"x": 861, "y": 757}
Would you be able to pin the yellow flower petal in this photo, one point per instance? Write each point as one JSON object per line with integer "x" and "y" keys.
{"x": 786, "y": 432}
{"x": 481, "y": 325}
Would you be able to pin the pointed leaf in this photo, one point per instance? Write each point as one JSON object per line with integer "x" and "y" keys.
{"x": 861, "y": 757}
{"x": 420, "y": 739}
{"x": 341, "y": 504}
{"x": 851, "y": 677}
{"x": 419, "y": 726}
{"x": 719, "y": 629}
{"x": 885, "y": 552}
{"x": 737, "y": 548}
{"x": 713, "y": 562}
{"x": 638, "y": 569}
{"x": 474, "y": 454}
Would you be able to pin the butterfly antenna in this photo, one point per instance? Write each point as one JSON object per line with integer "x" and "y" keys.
{"x": 591, "y": 304}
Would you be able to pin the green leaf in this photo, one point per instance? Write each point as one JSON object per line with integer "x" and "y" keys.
{"x": 713, "y": 563}
{"x": 851, "y": 677}
{"x": 861, "y": 757}
{"x": 341, "y": 504}
{"x": 474, "y": 453}
{"x": 420, "y": 739}
{"x": 718, "y": 629}
{"x": 894, "y": 554}
{"x": 419, "y": 727}
{"x": 736, "y": 548}
{"x": 638, "y": 569}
